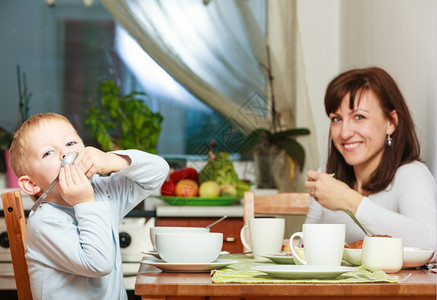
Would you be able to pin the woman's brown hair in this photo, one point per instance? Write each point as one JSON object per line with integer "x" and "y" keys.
{"x": 405, "y": 147}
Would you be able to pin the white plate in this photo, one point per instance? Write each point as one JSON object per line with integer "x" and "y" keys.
{"x": 280, "y": 258}
{"x": 191, "y": 268}
{"x": 416, "y": 257}
{"x": 304, "y": 272}
{"x": 156, "y": 254}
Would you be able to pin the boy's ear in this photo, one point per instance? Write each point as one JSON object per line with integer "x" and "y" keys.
{"x": 28, "y": 186}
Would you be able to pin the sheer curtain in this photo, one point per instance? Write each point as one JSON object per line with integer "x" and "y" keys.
{"x": 206, "y": 48}
{"x": 218, "y": 52}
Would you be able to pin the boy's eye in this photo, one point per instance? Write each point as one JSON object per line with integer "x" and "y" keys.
{"x": 47, "y": 153}
{"x": 71, "y": 144}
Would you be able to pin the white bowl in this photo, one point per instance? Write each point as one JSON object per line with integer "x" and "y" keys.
{"x": 352, "y": 256}
{"x": 416, "y": 257}
{"x": 172, "y": 229}
{"x": 195, "y": 247}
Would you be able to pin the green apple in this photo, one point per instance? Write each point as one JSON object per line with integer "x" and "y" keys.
{"x": 209, "y": 189}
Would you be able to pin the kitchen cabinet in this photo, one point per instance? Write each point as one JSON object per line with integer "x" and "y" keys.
{"x": 230, "y": 228}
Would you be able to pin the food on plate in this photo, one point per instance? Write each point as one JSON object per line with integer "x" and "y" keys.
{"x": 184, "y": 173}
{"x": 228, "y": 190}
{"x": 186, "y": 188}
{"x": 221, "y": 170}
{"x": 217, "y": 179}
{"x": 168, "y": 188}
{"x": 355, "y": 245}
{"x": 209, "y": 189}
{"x": 359, "y": 244}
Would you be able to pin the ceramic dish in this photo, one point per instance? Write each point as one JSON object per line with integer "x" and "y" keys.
{"x": 156, "y": 254}
{"x": 352, "y": 256}
{"x": 190, "y": 268}
{"x": 199, "y": 201}
{"x": 280, "y": 258}
{"x": 416, "y": 257}
{"x": 303, "y": 272}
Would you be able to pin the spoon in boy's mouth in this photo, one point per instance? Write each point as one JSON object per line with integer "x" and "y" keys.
{"x": 67, "y": 161}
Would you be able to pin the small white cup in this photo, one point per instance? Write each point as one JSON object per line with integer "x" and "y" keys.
{"x": 266, "y": 236}
{"x": 382, "y": 253}
{"x": 323, "y": 244}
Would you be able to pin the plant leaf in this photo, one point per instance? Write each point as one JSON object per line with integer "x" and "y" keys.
{"x": 290, "y": 133}
{"x": 294, "y": 150}
{"x": 253, "y": 138}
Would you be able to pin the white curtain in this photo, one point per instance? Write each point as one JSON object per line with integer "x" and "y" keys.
{"x": 217, "y": 51}
{"x": 206, "y": 48}
{"x": 293, "y": 105}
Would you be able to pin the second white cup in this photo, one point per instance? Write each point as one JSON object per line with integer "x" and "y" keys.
{"x": 266, "y": 236}
{"x": 323, "y": 244}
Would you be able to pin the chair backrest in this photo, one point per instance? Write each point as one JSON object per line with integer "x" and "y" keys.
{"x": 16, "y": 228}
{"x": 275, "y": 204}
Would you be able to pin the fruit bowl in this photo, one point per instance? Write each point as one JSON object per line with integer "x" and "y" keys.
{"x": 200, "y": 201}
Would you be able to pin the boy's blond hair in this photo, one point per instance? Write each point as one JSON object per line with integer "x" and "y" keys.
{"x": 18, "y": 150}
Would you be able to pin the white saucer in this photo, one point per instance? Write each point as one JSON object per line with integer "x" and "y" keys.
{"x": 190, "y": 267}
{"x": 156, "y": 254}
{"x": 304, "y": 272}
{"x": 280, "y": 258}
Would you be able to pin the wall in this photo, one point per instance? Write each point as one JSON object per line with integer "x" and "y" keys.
{"x": 397, "y": 35}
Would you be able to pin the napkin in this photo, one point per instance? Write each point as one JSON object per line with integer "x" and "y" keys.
{"x": 242, "y": 272}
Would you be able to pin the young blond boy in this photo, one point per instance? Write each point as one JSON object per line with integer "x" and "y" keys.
{"x": 73, "y": 246}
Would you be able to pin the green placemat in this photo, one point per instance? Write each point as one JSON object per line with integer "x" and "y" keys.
{"x": 242, "y": 273}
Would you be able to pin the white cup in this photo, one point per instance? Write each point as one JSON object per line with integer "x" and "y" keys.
{"x": 266, "y": 236}
{"x": 323, "y": 244}
{"x": 382, "y": 253}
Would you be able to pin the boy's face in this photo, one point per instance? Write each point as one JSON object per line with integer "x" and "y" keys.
{"x": 47, "y": 145}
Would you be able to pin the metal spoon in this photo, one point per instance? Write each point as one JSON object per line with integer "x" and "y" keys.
{"x": 215, "y": 222}
{"x": 349, "y": 212}
{"x": 66, "y": 161}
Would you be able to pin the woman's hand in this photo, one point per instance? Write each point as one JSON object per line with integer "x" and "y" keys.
{"x": 94, "y": 161}
{"x": 75, "y": 187}
{"x": 331, "y": 193}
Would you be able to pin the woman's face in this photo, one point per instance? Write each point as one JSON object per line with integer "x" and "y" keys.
{"x": 359, "y": 134}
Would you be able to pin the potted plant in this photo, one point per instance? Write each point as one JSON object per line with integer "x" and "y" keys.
{"x": 277, "y": 155}
{"x": 123, "y": 122}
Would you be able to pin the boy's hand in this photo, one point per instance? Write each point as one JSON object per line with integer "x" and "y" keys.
{"x": 75, "y": 187}
{"x": 94, "y": 161}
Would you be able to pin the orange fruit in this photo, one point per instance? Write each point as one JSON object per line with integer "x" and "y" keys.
{"x": 186, "y": 188}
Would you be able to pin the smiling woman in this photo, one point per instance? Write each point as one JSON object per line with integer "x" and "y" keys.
{"x": 375, "y": 155}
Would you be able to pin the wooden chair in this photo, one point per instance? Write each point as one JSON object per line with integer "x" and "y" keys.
{"x": 276, "y": 204}
{"x": 16, "y": 228}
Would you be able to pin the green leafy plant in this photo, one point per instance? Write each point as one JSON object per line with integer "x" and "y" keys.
{"x": 285, "y": 140}
{"x": 123, "y": 122}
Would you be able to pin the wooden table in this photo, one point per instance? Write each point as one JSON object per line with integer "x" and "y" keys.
{"x": 152, "y": 284}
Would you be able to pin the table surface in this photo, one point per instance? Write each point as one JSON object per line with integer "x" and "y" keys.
{"x": 151, "y": 283}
